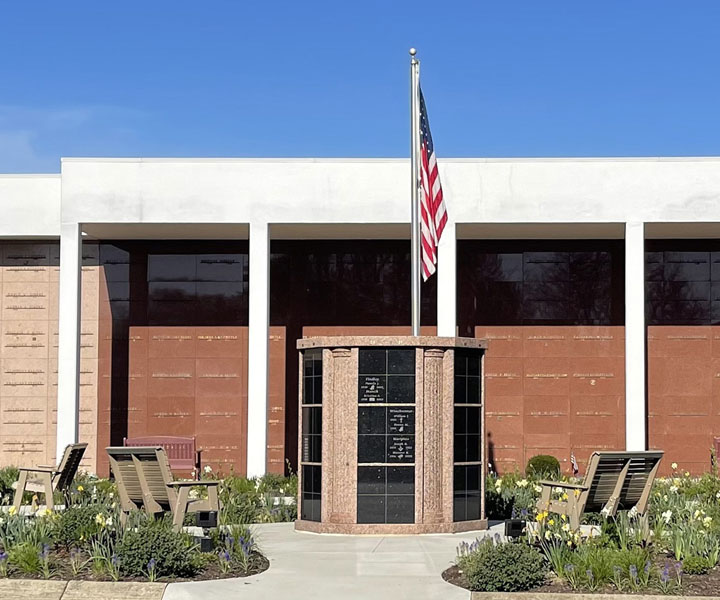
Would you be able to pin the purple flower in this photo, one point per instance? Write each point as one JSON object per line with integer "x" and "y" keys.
{"x": 590, "y": 575}
{"x": 3, "y": 556}
{"x": 151, "y": 564}
{"x": 665, "y": 575}
{"x": 647, "y": 567}
{"x": 45, "y": 552}
{"x": 114, "y": 560}
{"x": 524, "y": 513}
{"x": 225, "y": 555}
{"x": 678, "y": 568}
{"x": 570, "y": 568}
{"x": 617, "y": 570}
{"x": 633, "y": 571}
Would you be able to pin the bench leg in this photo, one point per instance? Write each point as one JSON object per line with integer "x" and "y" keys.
{"x": 213, "y": 500}
{"x": 543, "y": 502}
{"x": 180, "y": 508}
{"x": 574, "y": 510}
{"x": 47, "y": 482}
{"x": 20, "y": 490}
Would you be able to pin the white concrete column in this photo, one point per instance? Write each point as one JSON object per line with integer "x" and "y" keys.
{"x": 446, "y": 283}
{"x": 635, "y": 342}
{"x": 69, "y": 336}
{"x": 259, "y": 302}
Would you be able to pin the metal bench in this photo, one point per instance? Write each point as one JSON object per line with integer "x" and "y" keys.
{"x": 180, "y": 451}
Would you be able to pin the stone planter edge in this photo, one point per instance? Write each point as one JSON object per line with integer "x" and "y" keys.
{"x": 40, "y": 589}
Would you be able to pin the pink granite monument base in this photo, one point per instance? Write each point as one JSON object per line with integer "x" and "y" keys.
{"x": 431, "y": 453}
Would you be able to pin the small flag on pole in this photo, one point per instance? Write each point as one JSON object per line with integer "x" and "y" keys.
{"x": 432, "y": 207}
{"x": 575, "y": 467}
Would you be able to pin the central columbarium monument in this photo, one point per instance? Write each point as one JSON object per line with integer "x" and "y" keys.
{"x": 392, "y": 434}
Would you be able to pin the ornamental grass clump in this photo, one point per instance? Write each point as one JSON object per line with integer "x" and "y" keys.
{"x": 502, "y": 567}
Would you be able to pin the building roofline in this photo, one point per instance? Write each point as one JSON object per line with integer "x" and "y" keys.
{"x": 331, "y": 160}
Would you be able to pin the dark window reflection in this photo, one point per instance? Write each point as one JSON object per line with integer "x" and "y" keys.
{"x": 540, "y": 282}
{"x": 682, "y": 282}
{"x": 177, "y": 282}
{"x": 149, "y": 282}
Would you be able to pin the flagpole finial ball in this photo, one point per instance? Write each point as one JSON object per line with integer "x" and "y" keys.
{"x": 413, "y": 52}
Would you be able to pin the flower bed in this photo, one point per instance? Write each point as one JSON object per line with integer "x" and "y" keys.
{"x": 676, "y": 552}
{"x": 86, "y": 539}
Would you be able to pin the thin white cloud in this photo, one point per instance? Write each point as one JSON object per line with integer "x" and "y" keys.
{"x": 32, "y": 139}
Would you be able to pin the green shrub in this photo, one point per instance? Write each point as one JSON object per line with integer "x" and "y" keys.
{"x": 695, "y": 565}
{"x": 77, "y": 525}
{"x": 504, "y": 567}
{"x": 174, "y": 553}
{"x": 8, "y": 476}
{"x": 543, "y": 465}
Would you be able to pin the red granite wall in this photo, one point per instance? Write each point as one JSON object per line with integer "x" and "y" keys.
{"x": 553, "y": 390}
{"x": 684, "y": 394}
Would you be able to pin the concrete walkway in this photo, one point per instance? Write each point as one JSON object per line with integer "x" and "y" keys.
{"x": 328, "y": 567}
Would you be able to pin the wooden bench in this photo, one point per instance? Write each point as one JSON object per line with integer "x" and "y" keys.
{"x": 614, "y": 481}
{"x": 144, "y": 480}
{"x": 181, "y": 451}
{"x": 47, "y": 480}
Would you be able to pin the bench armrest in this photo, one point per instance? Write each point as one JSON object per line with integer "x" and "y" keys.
{"x": 207, "y": 483}
{"x": 563, "y": 484}
{"x": 38, "y": 469}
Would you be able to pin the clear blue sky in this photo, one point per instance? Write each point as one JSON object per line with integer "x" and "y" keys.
{"x": 242, "y": 78}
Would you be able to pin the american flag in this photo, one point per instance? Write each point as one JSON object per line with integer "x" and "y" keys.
{"x": 432, "y": 208}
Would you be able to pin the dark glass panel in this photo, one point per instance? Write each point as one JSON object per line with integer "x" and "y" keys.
{"x": 371, "y": 480}
{"x": 371, "y": 419}
{"x": 220, "y": 267}
{"x": 473, "y": 368}
{"x": 564, "y": 282}
{"x": 401, "y": 361}
{"x": 401, "y": 480}
{"x": 461, "y": 360}
{"x": 172, "y": 267}
{"x": 460, "y": 390}
{"x": 472, "y": 506}
{"x": 460, "y": 419}
{"x": 472, "y": 419}
{"x": 460, "y": 448}
{"x": 401, "y": 388}
{"x": 473, "y": 448}
{"x": 317, "y": 384}
{"x": 473, "y": 390}
{"x": 372, "y": 361}
{"x": 472, "y": 478}
{"x": 172, "y": 291}
{"x": 459, "y": 507}
{"x": 371, "y": 509}
{"x": 400, "y": 509}
{"x": 459, "y": 478}
{"x": 371, "y": 448}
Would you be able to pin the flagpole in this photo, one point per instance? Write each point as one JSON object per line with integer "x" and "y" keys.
{"x": 414, "y": 185}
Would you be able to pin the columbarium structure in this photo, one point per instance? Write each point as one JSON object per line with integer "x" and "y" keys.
{"x": 392, "y": 434}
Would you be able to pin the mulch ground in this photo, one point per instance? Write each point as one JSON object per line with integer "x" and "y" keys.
{"x": 693, "y": 585}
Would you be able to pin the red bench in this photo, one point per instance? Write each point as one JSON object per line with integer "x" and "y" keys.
{"x": 181, "y": 451}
